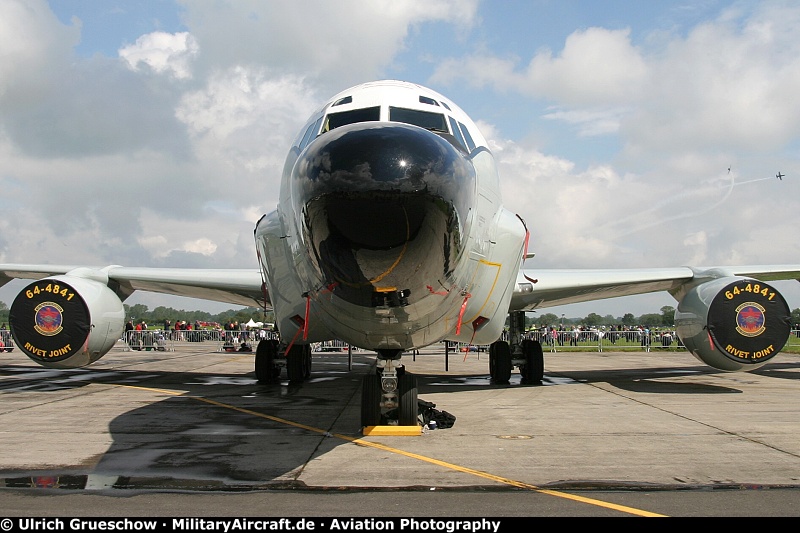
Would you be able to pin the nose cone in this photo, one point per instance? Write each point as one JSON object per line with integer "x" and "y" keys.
{"x": 382, "y": 156}
{"x": 373, "y": 196}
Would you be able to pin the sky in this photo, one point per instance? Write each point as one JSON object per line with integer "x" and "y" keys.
{"x": 627, "y": 133}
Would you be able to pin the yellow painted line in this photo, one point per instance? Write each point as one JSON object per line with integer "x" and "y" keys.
{"x": 444, "y": 464}
{"x": 150, "y": 389}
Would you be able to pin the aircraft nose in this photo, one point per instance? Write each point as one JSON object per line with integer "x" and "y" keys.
{"x": 375, "y": 177}
{"x": 381, "y": 156}
{"x": 379, "y": 203}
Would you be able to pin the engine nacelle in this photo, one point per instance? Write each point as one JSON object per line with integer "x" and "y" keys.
{"x": 733, "y": 323}
{"x": 67, "y": 321}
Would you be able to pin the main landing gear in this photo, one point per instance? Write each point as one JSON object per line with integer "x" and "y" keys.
{"x": 527, "y": 354}
{"x": 271, "y": 357}
{"x": 389, "y": 396}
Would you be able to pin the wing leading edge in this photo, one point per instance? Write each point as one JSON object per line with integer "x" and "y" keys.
{"x": 234, "y": 286}
{"x": 540, "y": 288}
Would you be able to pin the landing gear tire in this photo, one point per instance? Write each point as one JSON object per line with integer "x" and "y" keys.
{"x": 296, "y": 362}
{"x": 533, "y": 371}
{"x": 370, "y": 401}
{"x": 500, "y": 365}
{"x": 409, "y": 408}
{"x": 266, "y": 370}
{"x": 307, "y": 354}
{"x": 492, "y": 359}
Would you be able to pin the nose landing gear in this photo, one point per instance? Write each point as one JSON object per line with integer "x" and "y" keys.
{"x": 389, "y": 396}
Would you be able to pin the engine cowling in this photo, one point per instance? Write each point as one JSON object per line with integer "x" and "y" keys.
{"x": 733, "y": 323}
{"x": 67, "y": 321}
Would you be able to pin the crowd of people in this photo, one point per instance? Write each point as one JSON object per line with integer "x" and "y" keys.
{"x": 233, "y": 335}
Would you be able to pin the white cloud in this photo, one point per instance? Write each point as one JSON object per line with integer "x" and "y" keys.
{"x": 240, "y": 124}
{"x": 596, "y": 67}
{"x": 593, "y": 81}
{"x": 200, "y": 246}
{"x": 33, "y": 44}
{"x": 590, "y": 122}
{"x": 345, "y": 42}
{"x": 729, "y": 84}
{"x": 163, "y": 52}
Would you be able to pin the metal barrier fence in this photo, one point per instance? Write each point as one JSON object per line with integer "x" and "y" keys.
{"x": 331, "y": 346}
{"x": 158, "y": 340}
{"x": 594, "y": 339}
{"x": 6, "y": 341}
{"x": 600, "y": 340}
{"x": 582, "y": 340}
{"x": 564, "y": 340}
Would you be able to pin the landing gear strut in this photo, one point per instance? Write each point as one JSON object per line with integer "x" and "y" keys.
{"x": 389, "y": 396}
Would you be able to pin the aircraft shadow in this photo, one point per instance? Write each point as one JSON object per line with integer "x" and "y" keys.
{"x": 218, "y": 431}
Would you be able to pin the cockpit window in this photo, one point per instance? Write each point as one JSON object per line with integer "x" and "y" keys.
{"x": 310, "y": 133}
{"x": 366, "y": 114}
{"x": 467, "y": 137}
{"x": 424, "y": 119}
{"x": 457, "y": 132}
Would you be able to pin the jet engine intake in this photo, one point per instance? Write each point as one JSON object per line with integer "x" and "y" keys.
{"x": 733, "y": 323}
{"x": 383, "y": 209}
{"x": 66, "y": 321}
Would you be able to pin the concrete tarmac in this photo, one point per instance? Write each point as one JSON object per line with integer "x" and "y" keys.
{"x": 606, "y": 434}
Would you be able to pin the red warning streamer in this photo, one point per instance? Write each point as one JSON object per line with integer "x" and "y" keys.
{"x": 461, "y": 313}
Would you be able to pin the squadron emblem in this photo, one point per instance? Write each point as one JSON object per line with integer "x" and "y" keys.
{"x": 48, "y": 318}
{"x": 750, "y": 319}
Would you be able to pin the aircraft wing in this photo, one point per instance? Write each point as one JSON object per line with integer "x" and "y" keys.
{"x": 542, "y": 288}
{"x": 234, "y": 286}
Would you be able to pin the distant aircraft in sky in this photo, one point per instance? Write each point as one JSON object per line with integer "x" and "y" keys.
{"x": 390, "y": 235}
{"x": 779, "y": 176}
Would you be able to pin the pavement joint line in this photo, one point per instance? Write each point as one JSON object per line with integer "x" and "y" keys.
{"x": 361, "y": 442}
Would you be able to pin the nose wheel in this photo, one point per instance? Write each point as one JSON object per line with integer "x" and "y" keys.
{"x": 389, "y": 396}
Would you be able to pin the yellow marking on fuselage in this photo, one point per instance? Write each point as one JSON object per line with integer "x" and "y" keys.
{"x": 385, "y": 289}
{"x": 498, "y": 266}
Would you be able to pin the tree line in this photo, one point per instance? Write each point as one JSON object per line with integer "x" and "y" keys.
{"x": 664, "y": 319}
{"x": 155, "y": 318}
